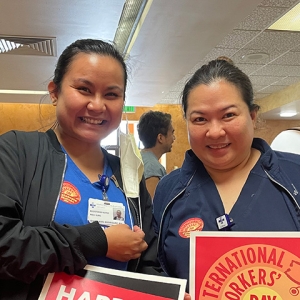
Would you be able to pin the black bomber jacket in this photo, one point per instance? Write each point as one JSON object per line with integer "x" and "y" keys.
{"x": 32, "y": 167}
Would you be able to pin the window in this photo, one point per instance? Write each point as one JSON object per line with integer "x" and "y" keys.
{"x": 111, "y": 142}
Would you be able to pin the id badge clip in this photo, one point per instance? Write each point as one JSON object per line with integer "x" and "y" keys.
{"x": 224, "y": 222}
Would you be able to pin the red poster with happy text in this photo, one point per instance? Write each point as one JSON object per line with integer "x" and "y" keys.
{"x": 74, "y": 287}
{"x": 95, "y": 283}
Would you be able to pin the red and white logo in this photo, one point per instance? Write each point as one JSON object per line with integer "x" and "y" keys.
{"x": 69, "y": 193}
{"x": 193, "y": 224}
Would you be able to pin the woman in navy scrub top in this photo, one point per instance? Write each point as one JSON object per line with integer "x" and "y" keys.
{"x": 227, "y": 174}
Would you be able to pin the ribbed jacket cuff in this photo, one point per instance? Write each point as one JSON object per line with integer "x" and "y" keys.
{"x": 93, "y": 240}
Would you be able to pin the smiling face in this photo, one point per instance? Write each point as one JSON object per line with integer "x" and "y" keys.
{"x": 91, "y": 97}
{"x": 219, "y": 124}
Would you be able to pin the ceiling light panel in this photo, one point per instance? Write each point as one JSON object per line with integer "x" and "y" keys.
{"x": 129, "y": 19}
{"x": 290, "y": 21}
{"x": 288, "y": 114}
{"x": 23, "y": 92}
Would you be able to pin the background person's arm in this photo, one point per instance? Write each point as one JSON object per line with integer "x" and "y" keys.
{"x": 151, "y": 184}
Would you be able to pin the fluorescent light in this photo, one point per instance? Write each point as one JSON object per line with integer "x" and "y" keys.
{"x": 23, "y": 92}
{"x": 290, "y": 21}
{"x": 288, "y": 114}
{"x": 130, "y": 23}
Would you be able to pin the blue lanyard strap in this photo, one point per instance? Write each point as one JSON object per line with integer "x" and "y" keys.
{"x": 104, "y": 183}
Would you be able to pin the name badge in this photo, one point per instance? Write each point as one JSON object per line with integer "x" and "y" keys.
{"x": 105, "y": 212}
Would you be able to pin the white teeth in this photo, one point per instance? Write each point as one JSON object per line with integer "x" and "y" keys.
{"x": 92, "y": 121}
{"x": 218, "y": 146}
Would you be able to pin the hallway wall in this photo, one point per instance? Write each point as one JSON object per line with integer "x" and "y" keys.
{"x": 29, "y": 117}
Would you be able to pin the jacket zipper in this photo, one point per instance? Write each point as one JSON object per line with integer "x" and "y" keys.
{"x": 61, "y": 184}
{"x": 295, "y": 190}
{"x": 170, "y": 202}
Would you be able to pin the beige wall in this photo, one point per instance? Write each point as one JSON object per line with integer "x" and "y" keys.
{"x": 26, "y": 117}
{"x": 268, "y": 129}
{"x": 29, "y": 117}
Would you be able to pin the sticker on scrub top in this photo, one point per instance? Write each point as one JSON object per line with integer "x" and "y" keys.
{"x": 193, "y": 224}
{"x": 105, "y": 212}
{"x": 69, "y": 193}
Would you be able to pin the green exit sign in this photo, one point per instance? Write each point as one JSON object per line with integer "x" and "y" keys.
{"x": 129, "y": 109}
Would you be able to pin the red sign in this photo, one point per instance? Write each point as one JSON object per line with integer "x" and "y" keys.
{"x": 107, "y": 284}
{"x": 245, "y": 266}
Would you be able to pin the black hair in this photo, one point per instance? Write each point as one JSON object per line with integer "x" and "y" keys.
{"x": 85, "y": 46}
{"x": 151, "y": 124}
{"x": 217, "y": 70}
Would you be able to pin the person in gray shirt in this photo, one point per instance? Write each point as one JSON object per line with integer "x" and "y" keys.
{"x": 156, "y": 132}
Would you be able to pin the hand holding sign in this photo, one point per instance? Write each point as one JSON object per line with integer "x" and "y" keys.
{"x": 123, "y": 243}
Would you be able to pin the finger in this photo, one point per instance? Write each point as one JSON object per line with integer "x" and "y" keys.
{"x": 140, "y": 232}
{"x": 187, "y": 296}
{"x": 136, "y": 228}
{"x": 136, "y": 255}
{"x": 143, "y": 246}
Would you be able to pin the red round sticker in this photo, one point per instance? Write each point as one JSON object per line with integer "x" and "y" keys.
{"x": 193, "y": 224}
{"x": 69, "y": 193}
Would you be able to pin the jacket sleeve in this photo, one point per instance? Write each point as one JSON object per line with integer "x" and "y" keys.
{"x": 27, "y": 251}
{"x": 148, "y": 263}
{"x": 156, "y": 207}
{"x": 161, "y": 198}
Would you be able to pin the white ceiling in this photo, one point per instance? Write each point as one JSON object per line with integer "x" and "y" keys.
{"x": 175, "y": 39}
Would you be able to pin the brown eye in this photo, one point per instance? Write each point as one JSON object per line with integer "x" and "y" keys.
{"x": 199, "y": 119}
{"x": 84, "y": 89}
{"x": 112, "y": 94}
{"x": 229, "y": 115}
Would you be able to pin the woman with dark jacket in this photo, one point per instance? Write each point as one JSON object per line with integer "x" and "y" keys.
{"x": 50, "y": 182}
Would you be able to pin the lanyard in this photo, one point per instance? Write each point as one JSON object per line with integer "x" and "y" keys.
{"x": 104, "y": 183}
